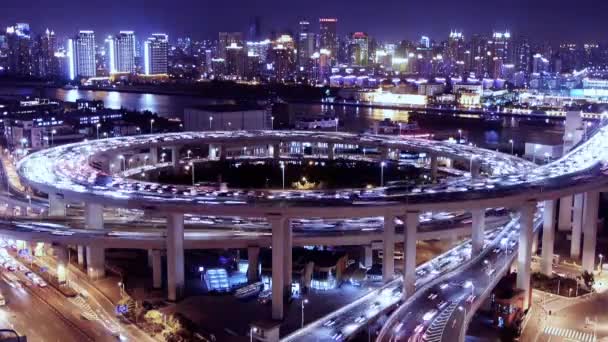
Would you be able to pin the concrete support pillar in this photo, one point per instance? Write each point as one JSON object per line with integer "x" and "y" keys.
{"x": 276, "y": 151}
{"x": 409, "y": 253}
{"x": 592, "y": 202}
{"x": 81, "y": 251}
{"x": 525, "y": 247}
{"x": 253, "y": 258}
{"x": 96, "y": 261}
{"x": 32, "y": 247}
{"x": 157, "y": 269}
{"x": 535, "y": 237}
{"x": 153, "y": 155}
{"x": 57, "y": 207}
{"x": 477, "y": 228}
{"x": 288, "y": 268}
{"x": 279, "y": 228}
{"x": 546, "y": 263}
{"x": 565, "y": 214}
{"x": 475, "y": 169}
{"x": 577, "y": 226}
{"x": 213, "y": 150}
{"x": 434, "y": 166}
{"x": 62, "y": 263}
{"x": 175, "y": 256}
{"x": 175, "y": 157}
{"x": 368, "y": 256}
{"x": 331, "y": 149}
{"x": 388, "y": 248}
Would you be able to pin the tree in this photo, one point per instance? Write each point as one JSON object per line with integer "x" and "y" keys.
{"x": 154, "y": 317}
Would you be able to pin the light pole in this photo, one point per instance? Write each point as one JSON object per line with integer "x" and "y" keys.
{"x": 283, "y": 174}
{"x": 337, "y": 121}
{"x": 151, "y": 126}
{"x": 210, "y": 122}
{"x": 192, "y": 166}
{"x": 304, "y": 301}
{"x": 138, "y": 130}
{"x": 601, "y": 257}
{"x": 272, "y": 122}
{"x": 122, "y": 161}
{"x": 400, "y": 128}
{"x": 53, "y": 136}
{"x": 512, "y": 143}
{"x": 97, "y": 127}
{"x": 382, "y": 165}
{"x": 188, "y": 153}
{"x": 252, "y": 331}
{"x": 121, "y": 286}
{"x": 459, "y": 135}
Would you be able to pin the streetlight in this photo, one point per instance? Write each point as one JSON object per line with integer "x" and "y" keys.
{"x": 138, "y": 130}
{"x": 304, "y": 301}
{"x": 511, "y": 142}
{"x": 151, "y": 126}
{"x": 601, "y": 257}
{"x": 53, "y": 136}
{"x": 272, "y": 122}
{"x": 192, "y": 165}
{"x": 283, "y": 174}
{"x": 122, "y": 159}
{"x": 337, "y": 120}
{"x": 188, "y": 153}
{"x": 97, "y": 127}
{"x": 210, "y": 122}
{"x": 399, "y": 128}
{"x": 252, "y": 330}
{"x": 382, "y": 165}
{"x": 459, "y": 135}
{"x": 121, "y": 286}
{"x": 470, "y": 284}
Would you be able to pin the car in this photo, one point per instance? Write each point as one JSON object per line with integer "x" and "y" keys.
{"x": 330, "y": 323}
{"x": 442, "y": 305}
{"x": 360, "y": 319}
{"x": 429, "y": 315}
{"x": 432, "y": 296}
{"x": 339, "y": 336}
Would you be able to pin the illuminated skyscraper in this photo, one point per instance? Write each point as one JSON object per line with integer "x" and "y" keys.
{"x": 306, "y": 44}
{"x": 360, "y": 52}
{"x": 19, "y": 49}
{"x": 81, "y": 51}
{"x": 156, "y": 49}
{"x": 45, "y": 63}
{"x": 226, "y": 39}
{"x": 328, "y": 36}
{"x": 235, "y": 60}
{"x": 121, "y": 52}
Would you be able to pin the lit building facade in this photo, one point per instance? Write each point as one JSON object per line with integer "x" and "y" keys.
{"x": 156, "y": 49}
{"x": 328, "y": 36}
{"x": 19, "y": 49}
{"x": 81, "y": 51}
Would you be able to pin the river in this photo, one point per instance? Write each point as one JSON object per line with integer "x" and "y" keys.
{"x": 351, "y": 118}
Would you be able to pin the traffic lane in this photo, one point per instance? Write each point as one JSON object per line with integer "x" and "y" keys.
{"x": 23, "y": 309}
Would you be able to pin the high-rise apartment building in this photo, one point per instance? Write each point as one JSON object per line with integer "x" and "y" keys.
{"x": 328, "y": 36}
{"x": 156, "y": 49}
{"x": 45, "y": 63}
{"x": 19, "y": 49}
{"x": 306, "y": 44}
{"x": 360, "y": 51}
{"x": 81, "y": 51}
{"x": 226, "y": 39}
{"x": 121, "y": 52}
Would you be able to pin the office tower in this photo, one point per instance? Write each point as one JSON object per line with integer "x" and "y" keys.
{"x": 235, "y": 60}
{"x": 81, "y": 51}
{"x": 360, "y": 51}
{"x": 255, "y": 29}
{"x": 259, "y": 49}
{"x": 425, "y": 42}
{"x": 522, "y": 55}
{"x": 227, "y": 39}
{"x": 156, "y": 49}
{"x": 45, "y": 63}
{"x": 121, "y": 52}
{"x": 19, "y": 49}
{"x": 328, "y": 36}
{"x": 454, "y": 52}
{"x": 306, "y": 44}
{"x": 282, "y": 57}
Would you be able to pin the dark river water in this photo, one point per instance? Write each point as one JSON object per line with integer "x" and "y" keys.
{"x": 351, "y": 118}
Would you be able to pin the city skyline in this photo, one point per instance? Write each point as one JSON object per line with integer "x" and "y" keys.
{"x": 390, "y": 21}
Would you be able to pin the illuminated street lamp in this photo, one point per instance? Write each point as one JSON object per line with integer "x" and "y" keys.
{"x": 121, "y": 286}
{"x": 512, "y": 143}
{"x": 97, "y": 127}
{"x": 272, "y": 122}
{"x": 382, "y": 165}
{"x": 138, "y": 130}
{"x": 470, "y": 284}
{"x": 459, "y": 135}
{"x": 52, "y": 136}
{"x": 601, "y": 257}
{"x": 252, "y": 330}
{"x": 210, "y": 122}
{"x": 188, "y": 153}
{"x": 191, "y": 164}
{"x": 304, "y": 301}
{"x": 337, "y": 121}
{"x": 151, "y": 126}
{"x": 122, "y": 159}
{"x": 283, "y": 174}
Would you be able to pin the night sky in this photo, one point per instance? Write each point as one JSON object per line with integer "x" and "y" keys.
{"x": 553, "y": 20}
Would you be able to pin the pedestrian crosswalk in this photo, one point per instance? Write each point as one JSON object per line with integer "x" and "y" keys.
{"x": 569, "y": 334}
